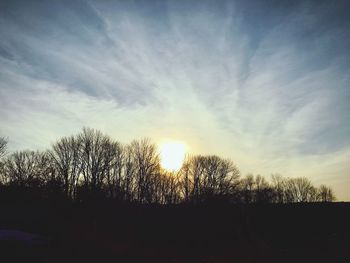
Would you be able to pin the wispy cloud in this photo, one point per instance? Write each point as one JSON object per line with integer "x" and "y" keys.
{"x": 264, "y": 84}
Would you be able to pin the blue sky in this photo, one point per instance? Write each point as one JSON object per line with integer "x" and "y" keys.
{"x": 265, "y": 83}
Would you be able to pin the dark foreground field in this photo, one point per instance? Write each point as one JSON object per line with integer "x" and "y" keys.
{"x": 217, "y": 233}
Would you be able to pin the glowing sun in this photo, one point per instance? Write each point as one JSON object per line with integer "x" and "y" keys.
{"x": 172, "y": 155}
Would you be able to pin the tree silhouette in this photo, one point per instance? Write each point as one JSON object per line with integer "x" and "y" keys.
{"x": 91, "y": 165}
{"x": 279, "y": 187}
{"x": 65, "y": 156}
{"x": 147, "y": 167}
{"x": 3, "y": 144}
{"x": 299, "y": 190}
{"x": 26, "y": 168}
{"x": 325, "y": 194}
{"x": 247, "y": 188}
{"x": 97, "y": 152}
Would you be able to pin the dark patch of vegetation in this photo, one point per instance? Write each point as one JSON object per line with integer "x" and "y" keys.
{"x": 91, "y": 166}
{"x": 107, "y": 231}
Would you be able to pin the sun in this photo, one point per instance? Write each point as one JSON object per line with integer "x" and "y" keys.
{"x": 172, "y": 155}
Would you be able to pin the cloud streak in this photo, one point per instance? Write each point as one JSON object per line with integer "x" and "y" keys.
{"x": 266, "y": 85}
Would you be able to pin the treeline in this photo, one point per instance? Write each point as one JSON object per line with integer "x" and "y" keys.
{"x": 93, "y": 166}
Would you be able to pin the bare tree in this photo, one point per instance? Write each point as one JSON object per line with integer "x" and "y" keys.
{"x": 220, "y": 175}
{"x": 114, "y": 162}
{"x": 208, "y": 177}
{"x": 326, "y": 194}
{"x": 279, "y": 187}
{"x": 26, "y": 168}
{"x": 193, "y": 173}
{"x": 66, "y": 159}
{"x": 129, "y": 174}
{"x": 97, "y": 152}
{"x": 186, "y": 184}
{"x": 3, "y": 145}
{"x": 263, "y": 191}
{"x": 247, "y": 188}
{"x": 167, "y": 187}
{"x": 147, "y": 165}
{"x": 299, "y": 190}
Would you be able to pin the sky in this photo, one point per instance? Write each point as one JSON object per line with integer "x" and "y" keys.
{"x": 264, "y": 83}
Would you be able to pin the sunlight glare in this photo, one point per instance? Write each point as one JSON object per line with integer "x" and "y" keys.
{"x": 172, "y": 155}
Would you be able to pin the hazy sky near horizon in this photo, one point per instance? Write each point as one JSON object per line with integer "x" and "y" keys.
{"x": 265, "y": 83}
